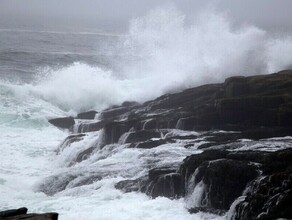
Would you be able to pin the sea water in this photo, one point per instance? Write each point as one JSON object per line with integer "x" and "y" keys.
{"x": 49, "y": 73}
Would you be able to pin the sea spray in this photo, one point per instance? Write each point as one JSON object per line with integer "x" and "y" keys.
{"x": 163, "y": 53}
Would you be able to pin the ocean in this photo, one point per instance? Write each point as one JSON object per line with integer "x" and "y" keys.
{"x": 51, "y": 73}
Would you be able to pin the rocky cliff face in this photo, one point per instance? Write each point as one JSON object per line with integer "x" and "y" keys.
{"x": 235, "y": 169}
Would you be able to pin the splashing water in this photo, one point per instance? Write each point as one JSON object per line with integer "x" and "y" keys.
{"x": 161, "y": 53}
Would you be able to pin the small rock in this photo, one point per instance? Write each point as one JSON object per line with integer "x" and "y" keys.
{"x": 66, "y": 122}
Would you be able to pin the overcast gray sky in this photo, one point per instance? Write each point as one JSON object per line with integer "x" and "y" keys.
{"x": 113, "y": 15}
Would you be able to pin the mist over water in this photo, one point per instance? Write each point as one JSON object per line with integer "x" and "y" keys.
{"x": 163, "y": 53}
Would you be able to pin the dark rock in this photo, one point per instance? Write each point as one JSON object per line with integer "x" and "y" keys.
{"x": 143, "y": 135}
{"x": 16, "y": 214}
{"x": 279, "y": 162}
{"x": 83, "y": 155}
{"x": 149, "y": 144}
{"x": 186, "y": 99}
{"x": 239, "y": 110}
{"x": 183, "y": 137}
{"x": 150, "y": 124}
{"x": 225, "y": 180}
{"x": 13, "y": 212}
{"x": 114, "y": 130}
{"x": 207, "y": 145}
{"x": 82, "y": 127}
{"x": 167, "y": 185}
{"x": 206, "y": 121}
{"x": 267, "y": 198}
{"x": 132, "y": 185}
{"x": 33, "y": 216}
{"x": 266, "y": 132}
{"x": 129, "y": 104}
{"x": 186, "y": 124}
{"x": 69, "y": 140}
{"x": 113, "y": 113}
{"x": 222, "y": 137}
{"x": 236, "y": 86}
{"x": 269, "y": 162}
{"x": 285, "y": 114}
{"x": 252, "y": 156}
{"x": 163, "y": 182}
{"x": 241, "y": 103}
{"x": 191, "y": 163}
{"x": 188, "y": 145}
{"x": 87, "y": 115}
{"x": 206, "y": 209}
{"x": 66, "y": 122}
{"x": 156, "y": 172}
{"x": 128, "y": 185}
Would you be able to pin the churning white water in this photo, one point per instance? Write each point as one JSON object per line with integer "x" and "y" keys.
{"x": 161, "y": 53}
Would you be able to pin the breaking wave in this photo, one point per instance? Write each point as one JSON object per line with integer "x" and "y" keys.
{"x": 163, "y": 53}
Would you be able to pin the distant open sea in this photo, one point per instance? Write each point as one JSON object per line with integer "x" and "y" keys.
{"x": 26, "y": 52}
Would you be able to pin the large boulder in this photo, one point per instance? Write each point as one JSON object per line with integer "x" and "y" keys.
{"x": 164, "y": 182}
{"x": 191, "y": 163}
{"x": 267, "y": 198}
{"x": 224, "y": 180}
{"x": 115, "y": 129}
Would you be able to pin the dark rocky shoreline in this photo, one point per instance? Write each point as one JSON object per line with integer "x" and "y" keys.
{"x": 252, "y": 184}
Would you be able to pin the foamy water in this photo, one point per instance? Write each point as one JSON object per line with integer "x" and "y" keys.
{"x": 160, "y": 53}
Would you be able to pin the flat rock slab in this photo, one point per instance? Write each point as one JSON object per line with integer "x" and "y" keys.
{"x": 13, "y": 212}
{"x": 65, "y": 123}
{"x": 46, "y": 216}
{"x": 21, "y": 213}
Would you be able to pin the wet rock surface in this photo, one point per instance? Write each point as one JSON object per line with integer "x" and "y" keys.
{"x": 87, "y": 115}
{"x": 270, "y": 196}
{"x": 210, "y": 145}
{"x": 21, "y": 213}
{"x": 65, "y": 123}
